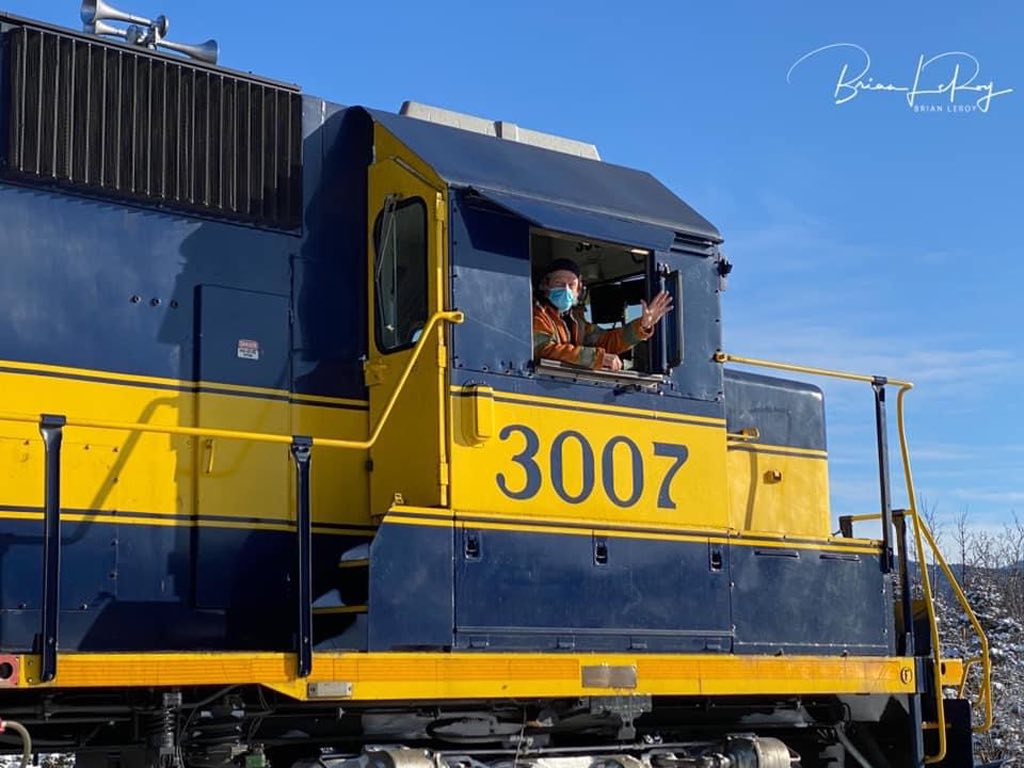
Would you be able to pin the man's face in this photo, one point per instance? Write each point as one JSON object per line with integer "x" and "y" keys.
{"x": 562, "y": 278}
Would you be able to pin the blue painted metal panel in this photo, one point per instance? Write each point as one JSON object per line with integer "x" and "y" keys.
{"x": 85, "y": 552}
{"x": 132, "y": 587}
{"x": 491, "y": 283}
{"x": 788, "y": 413}
{"x": 411, "y": 588}
{"x": 807, "y": 601}
{"x": 329, "y": 274}
{"x": 541, "y": 591}
{"x": 244, "y": 338}
{"x": 699, "y": 377}
{"x": 72, "y": 265}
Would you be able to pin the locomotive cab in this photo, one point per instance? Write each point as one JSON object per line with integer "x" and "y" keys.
{"x": 542, "y": 498}
{"x": 557, "y": 454}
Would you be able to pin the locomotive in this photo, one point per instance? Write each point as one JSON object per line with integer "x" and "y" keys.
{"x": 284, "y": 482}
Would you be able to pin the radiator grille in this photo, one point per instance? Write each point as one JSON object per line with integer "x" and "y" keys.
{"x": 100, "y": 117}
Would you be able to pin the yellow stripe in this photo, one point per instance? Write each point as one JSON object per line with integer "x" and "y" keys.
{"x": 126, "y": 518}
{"x": 612, "y": 409}
{"x": 38, "y": 516}
{"x": 434, "y": 523}
{"x": 570, "y": 523}
{"x": 396, "y": 676}
{"x": 112, "y": 377}
{"x": 29, "y": 368}
{"x": 855, "y": 546}
{"x": 591, "y": 527}
{"x": 240, "y": 388}
{"x": 172, "y": 522}
{"x": 312, "y": 399}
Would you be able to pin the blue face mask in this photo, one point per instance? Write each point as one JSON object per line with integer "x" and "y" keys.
{"x": 562, "y": 298}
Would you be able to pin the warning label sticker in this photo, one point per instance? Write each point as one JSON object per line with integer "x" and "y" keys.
{"x": 248, "y": 349}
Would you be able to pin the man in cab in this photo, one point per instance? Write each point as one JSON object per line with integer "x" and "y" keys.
{"x": 562, "y": 333}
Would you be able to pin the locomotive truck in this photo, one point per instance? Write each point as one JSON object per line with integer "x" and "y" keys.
{"x": 284, "y": 483}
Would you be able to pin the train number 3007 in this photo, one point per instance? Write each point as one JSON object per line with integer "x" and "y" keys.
{"x": 533, "y": 474}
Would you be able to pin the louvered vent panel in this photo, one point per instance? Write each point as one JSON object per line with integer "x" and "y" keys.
{"x": 107, "y": 119}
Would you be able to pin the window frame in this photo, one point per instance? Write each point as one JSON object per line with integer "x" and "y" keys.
{"x": 642, "y": 380}
{"x": 400, "y": 204}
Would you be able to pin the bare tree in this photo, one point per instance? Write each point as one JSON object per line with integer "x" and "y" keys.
{"x": 930, "y": 514}
{"x": 1013, "y": 566}
{"x": 963, "y": 538}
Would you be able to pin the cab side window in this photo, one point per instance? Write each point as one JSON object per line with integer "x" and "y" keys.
{"x": 400, "y": 273}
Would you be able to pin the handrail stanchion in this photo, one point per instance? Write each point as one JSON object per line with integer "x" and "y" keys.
{"x": 52, "y": 429}
{"x": 916, "y": 716}
{"x": 906, "y": 602}
{"x": 885, "y": 493}
{"x": 301, "y": 449}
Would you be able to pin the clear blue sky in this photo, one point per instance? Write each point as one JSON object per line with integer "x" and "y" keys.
{"x": 865, "y": 236}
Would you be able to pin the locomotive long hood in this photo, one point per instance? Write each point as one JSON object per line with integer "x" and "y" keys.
{"x": 554, "y": 190}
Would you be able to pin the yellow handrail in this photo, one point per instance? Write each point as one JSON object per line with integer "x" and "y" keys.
{"x": 920, "y": 532}
{"x": 985, "y": 689}
{"x": 725, "y": 357}
{"x": 926, "y": 583}
{"x": 982, "y": 658}
{"x": 454, "y": 316}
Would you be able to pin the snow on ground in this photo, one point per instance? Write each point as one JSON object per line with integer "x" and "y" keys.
{"x": 994, "y": 596}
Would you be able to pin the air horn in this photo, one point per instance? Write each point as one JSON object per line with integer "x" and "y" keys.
{"x": 146, "y": 33}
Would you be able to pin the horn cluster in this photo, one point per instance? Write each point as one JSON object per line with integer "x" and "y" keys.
{"x": 148, "y": 33}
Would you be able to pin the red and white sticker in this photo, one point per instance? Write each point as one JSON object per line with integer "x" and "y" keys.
{"x": 248, "y": 349}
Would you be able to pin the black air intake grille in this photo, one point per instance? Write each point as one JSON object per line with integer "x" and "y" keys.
{"x": 102, "y": 118}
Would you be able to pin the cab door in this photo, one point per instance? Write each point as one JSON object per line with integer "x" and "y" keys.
{"x": 408, "y": 464}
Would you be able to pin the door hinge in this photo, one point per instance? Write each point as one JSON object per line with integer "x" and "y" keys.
{"x": 443, "y": 473}
{"x": 440, "y": 209}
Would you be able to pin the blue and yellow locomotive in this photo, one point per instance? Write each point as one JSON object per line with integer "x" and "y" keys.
{"x": 283, "y": 479}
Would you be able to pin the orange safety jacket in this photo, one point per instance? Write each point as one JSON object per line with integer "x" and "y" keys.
{"x": 569, "y": 338}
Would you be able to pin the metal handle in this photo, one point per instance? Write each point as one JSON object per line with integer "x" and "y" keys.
{"x": 211, "y": 450}
{"x": 745, "y": 435}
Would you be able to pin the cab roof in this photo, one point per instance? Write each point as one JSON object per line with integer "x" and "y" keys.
{"x": 553, "y": 189}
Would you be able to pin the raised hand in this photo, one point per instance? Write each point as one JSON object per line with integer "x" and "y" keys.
{"x": 660, "y": 306}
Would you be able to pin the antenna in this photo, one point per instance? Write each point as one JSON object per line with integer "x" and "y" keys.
{"x": 143, "y": 32}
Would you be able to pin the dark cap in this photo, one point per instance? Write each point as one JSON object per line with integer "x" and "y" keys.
{"x": 559, "y": 264}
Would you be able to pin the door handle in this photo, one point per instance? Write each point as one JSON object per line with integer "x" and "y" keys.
{"x": 209, "y": 446}
{"x": 374, "y": 371}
